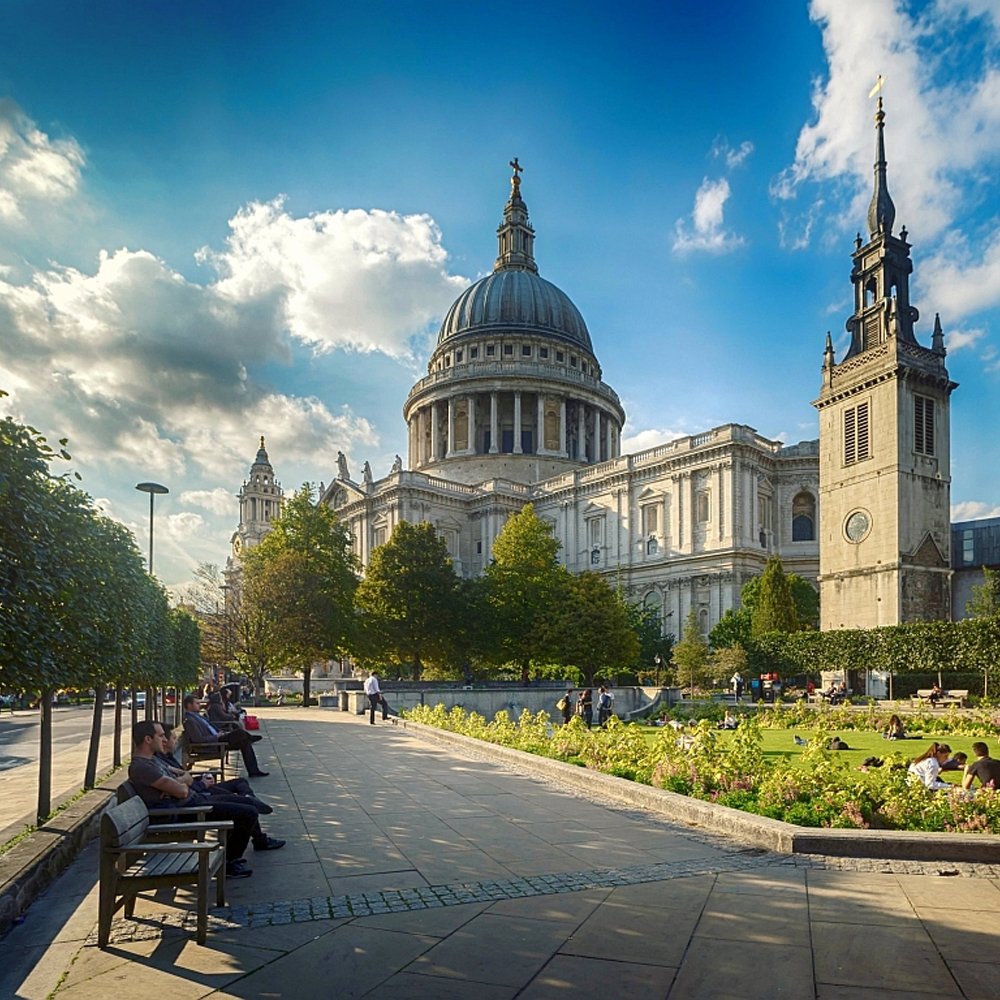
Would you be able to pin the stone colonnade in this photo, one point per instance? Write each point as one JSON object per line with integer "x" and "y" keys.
{"x": 513, "y": 422}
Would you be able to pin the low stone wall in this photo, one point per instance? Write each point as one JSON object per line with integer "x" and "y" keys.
{"x": 759, "y": 831}
{"x": 31, "y": 865}
{"x": 488, "y": 701}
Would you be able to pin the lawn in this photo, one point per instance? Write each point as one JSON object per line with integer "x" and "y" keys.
{"x": 779, "y": 745}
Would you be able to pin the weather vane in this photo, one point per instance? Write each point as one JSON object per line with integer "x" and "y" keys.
{"x": 879, "y": 83}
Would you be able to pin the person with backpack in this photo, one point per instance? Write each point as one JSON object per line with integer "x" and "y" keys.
{"x": 604, "y": 702}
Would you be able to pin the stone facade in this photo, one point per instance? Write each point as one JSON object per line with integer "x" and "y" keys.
{"x": 514, "y": 410}
{"x": 884, "y": 468}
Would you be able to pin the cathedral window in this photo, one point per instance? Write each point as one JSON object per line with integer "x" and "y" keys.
{"x": 595, "y": 530}
{"x": 572, "y": 361}
{"x": 923, "y": 425}
{"x": 652, "y": 547}
{"x": 508, "y": 350}
{"x": 458, "y": 357}
{"x": 703, "y": 506}
{"x": 525, "y": 350}
{"x": 473, "y": 353}
{"x": 595, "y": 556}
{"x": 560, "y": 357}
{"x": 856, "y": 438}
{"x": 650, "y": 518}
{"x": 804, "y": 517}
{"x": 543, "y": 353}
{"x": 490, "y": 350}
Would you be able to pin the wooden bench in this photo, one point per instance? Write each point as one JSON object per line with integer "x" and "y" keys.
{"x": 130, "y": 863}
{"x": 953, "y": 696}
{"x": 195, "y": 753}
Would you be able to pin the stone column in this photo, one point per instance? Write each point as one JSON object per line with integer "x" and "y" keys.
{"x": 471, "y": 409}
{"x": 597, "y": 434}
{"x": 540, "y": 433}
{"x": 609, "y": 428}
{"x": 581, "y": 431}
{"x": 494, "y": 424}
{"x": 434, "y": 432}
{"x": 450, "y": 443}
{"x": 562, "y": 427}
{"x": 517, "y": 421}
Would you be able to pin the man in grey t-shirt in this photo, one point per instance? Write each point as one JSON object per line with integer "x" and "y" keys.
{"x": 984, "y": 767}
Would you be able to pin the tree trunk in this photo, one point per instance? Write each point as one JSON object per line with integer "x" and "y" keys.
{"x": 90, "y": 774}
{"x": 134, "y": 711}
{"x": 117, "y": 755}
{"x": 307, "y": 686}
{"x": 44, "y": 758}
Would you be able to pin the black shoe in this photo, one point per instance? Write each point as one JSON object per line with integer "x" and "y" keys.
{"x": 263, "y": 809}
{"x": 258, "y": 774}
{"x": 254, "y": 738}
{"x": 270, "y": 844}
{"x": 238, "y": 869}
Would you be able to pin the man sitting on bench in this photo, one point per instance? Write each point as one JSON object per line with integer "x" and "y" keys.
{"x": 199, "y": 730}
{"x": 160, "y": 788}
{"x": 239, "y": 787}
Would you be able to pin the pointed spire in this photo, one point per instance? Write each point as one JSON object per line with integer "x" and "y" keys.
{"x": 262, "y": 458}
{"x": 828, "y": 358}
{"x": 881, "y": 211}
{"x": 937, "y": 338}
{"x": 515, "y": 236}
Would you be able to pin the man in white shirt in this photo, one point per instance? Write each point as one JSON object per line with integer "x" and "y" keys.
{"x": 375, "y": 697}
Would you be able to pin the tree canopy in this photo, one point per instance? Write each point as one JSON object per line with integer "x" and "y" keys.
{"x": 410, "y": 600}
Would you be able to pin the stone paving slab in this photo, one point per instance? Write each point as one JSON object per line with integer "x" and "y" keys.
{"x": 446, "y": 909}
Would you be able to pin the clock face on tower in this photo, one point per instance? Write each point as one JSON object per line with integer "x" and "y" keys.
{"x": 857, "y": 525}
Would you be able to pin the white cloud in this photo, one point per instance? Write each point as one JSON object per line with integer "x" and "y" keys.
{"x": 643, "y": 440}
{"x": 956, "y": 340}
{"x": 733, "y": 158}
{"x": 962, "y": 280}
{"x": 937, "y": 156}
{"x": 364, "y": 280}
{"x": 706, "y": 231}
{"x": 972, "y": 510}
{"x": 217, "y": 501}
{"x": 33, "y": 167}
{"x": 184, "y": 526}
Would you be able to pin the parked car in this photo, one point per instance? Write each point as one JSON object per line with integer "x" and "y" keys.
{"x": 140, "y": 700}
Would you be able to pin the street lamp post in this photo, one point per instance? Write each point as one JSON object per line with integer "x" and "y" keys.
{"x": 152, "y": 489}
{"x": 657, "y": 661}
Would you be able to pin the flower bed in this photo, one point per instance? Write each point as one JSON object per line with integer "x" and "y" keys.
{"x": 820, "y": 790}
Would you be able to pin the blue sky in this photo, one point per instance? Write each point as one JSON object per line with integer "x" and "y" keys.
{"x": 220, "y": 220}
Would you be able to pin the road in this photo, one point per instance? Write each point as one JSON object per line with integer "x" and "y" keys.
{"x": 19, "y": 759}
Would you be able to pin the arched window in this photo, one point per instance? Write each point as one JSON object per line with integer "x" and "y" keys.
{"x": 804, "y": 517}
{"x": 652, "y": 547}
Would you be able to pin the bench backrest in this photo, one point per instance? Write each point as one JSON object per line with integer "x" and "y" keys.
{"x": 124, "y": 824}
{"x": 924, "y": 692}
{"x": 126, "y": 791}
{"x": 958, "y": 692}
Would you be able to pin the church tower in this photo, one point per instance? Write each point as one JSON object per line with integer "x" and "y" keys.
{"x": 260, "y": 503}
{"x": 884, "y": 473}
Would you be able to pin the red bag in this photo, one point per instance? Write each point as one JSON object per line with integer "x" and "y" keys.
{"x": 251, "y": 722}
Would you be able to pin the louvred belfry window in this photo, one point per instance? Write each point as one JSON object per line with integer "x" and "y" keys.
{"x": 923, "y": 425}
{"x": 857, "y": 441}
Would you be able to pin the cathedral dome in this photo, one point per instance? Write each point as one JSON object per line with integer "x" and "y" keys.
{"x": 518, "y": 300}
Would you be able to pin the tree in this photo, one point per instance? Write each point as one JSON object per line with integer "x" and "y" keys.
{"x": 410, "y": 599}
{"x": 647, "y": 625}
{"x": 303, "y": 584}
{"x": 775, "y": 608}
{"x": 691, "y": 655}
{"x": 523, "y": 582}
{"x": 735, "y": 627}
{"x": 985, "y": 600}
{"x": 588, "y": 627}
{"x": 208, "y": 599}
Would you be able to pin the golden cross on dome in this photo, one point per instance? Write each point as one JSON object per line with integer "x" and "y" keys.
{"x": 516, "y": 167}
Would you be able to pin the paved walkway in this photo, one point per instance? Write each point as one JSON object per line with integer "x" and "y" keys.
{"x": 415, "y": 872}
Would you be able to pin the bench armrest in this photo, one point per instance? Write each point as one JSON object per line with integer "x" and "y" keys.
{"x": 222, "y": 824}
{"x": 140, "y": 846}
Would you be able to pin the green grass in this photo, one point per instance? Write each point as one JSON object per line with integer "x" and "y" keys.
{"x": 779, "y": 745}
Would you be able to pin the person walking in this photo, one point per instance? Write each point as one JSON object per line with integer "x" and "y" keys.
{"x": 566, "y": 706}
{"x": 585, "y": 707}
{"x": 375, "y": 698}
